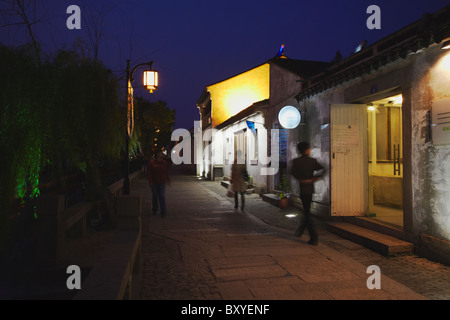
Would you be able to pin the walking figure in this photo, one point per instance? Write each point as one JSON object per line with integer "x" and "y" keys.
{"x": 303, "y": 169}
{"x": 238, "y": 181}
{"x": 158, "y": 177}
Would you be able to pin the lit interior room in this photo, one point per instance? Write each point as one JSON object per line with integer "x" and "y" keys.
{"x": 385, "y": 160}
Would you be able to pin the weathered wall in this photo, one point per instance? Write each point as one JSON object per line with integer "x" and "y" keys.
{"x": 315, "y": 113}
{"x": 283, "y": 84}
{"x": 430, "y": 163}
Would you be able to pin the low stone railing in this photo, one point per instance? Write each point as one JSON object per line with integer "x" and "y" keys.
{"x": 112, "y": 275}
{"x": 55, "y": 220}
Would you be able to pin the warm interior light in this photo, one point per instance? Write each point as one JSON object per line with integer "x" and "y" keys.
{"x": 151, "y": 80}
{"x": 397, "y": 99}
{"x": 446, "y": 44}
{"x": 371, "y": 108}
{"x": 440, "y": 75}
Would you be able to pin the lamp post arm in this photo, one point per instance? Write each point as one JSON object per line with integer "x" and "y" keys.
{"x": 126, "y": 180}
{"x": 149, "y": 64}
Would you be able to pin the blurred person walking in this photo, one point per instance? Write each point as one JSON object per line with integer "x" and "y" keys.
{"x": 303, "y": 169}
{"x": 237, "y": 181}
{"x": 158, "y": 177}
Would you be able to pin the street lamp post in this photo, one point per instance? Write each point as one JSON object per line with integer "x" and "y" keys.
{"x": 150, "y": 83}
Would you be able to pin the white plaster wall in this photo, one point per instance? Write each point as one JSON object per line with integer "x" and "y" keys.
{"x": 254, "y": 170}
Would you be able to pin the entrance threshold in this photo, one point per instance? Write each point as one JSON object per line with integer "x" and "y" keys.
{"x": 376, "y": 235}
{"x": 383, "y": 227}
{"x": 388, "y": 215}
{"x": 377, "y": 241}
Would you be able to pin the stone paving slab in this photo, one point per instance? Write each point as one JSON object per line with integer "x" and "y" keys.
{"x": 239, "y": 262}
{"x": 244, "y": 273}
{"x": 207, "y": 250}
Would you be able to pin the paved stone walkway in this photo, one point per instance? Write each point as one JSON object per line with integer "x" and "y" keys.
{"x": 428, "y": 278}
{"x": 204, "y": 249}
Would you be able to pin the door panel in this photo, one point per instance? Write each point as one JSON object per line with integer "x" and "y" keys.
{"x": 349, "y": 186}
{"x": 240, "y": 144}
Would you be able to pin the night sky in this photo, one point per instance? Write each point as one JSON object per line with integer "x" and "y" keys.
{"x": 195, "y": 43}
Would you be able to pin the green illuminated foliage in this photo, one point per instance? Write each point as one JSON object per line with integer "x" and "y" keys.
{"x": 56, "y": 117}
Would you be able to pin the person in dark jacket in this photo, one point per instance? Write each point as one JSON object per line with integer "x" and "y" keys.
{"x": 303, "y": 169}
{"x": 158, "y": 177}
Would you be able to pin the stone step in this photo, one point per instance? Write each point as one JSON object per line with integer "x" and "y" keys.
{"x": 383, "y": 227}
{"x": 376, "y": 241}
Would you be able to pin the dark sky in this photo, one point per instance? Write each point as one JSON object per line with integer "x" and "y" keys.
{"x": 194, "y": 43}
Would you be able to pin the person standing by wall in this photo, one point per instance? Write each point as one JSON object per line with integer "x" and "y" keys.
{"x": 158, "y": 177}
{"x": 303, "y": 169}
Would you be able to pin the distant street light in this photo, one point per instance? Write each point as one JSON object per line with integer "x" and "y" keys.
{"x": 151, "y": 83}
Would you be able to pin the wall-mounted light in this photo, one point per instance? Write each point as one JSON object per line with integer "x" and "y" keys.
{"x": 361, "y": 46}
{"x": 398, "y": 99}
{"x": 289, "y": 117}
{"x": 446, "y": 44}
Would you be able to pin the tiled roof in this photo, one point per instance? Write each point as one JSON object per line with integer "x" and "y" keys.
{"x": 431, "y": 28}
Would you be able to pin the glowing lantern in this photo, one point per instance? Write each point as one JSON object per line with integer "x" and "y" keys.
{"x": 151, "y": 80}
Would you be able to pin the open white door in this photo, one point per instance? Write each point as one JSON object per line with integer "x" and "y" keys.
{"x": 349, "y": 160}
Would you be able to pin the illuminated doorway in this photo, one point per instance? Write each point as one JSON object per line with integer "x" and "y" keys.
{"x": 385, "y": 163}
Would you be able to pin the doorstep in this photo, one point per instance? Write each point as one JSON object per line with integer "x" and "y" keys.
{"x": 377, "y": 241}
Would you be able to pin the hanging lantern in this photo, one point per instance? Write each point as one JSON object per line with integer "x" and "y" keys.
{"x": 151, "y": 80}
